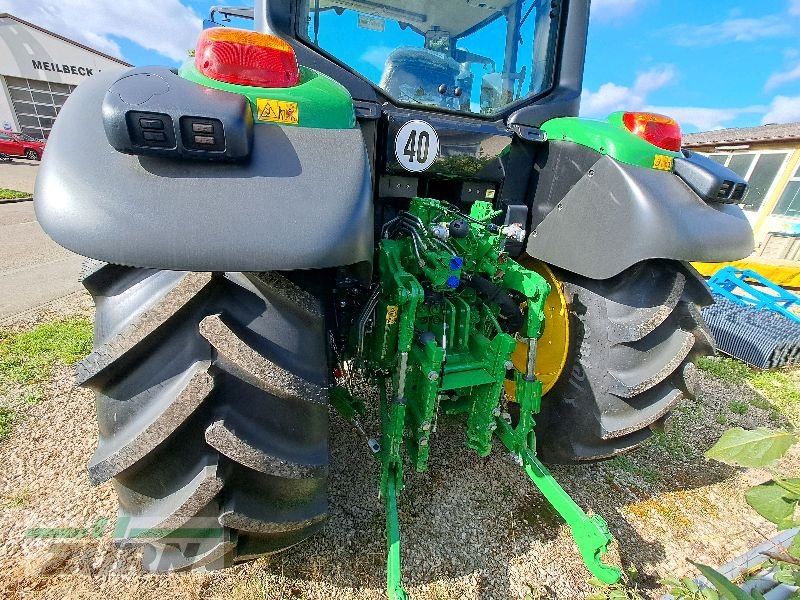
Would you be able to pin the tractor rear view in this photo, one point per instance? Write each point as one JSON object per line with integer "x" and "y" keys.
{"x": 396, "y": 192}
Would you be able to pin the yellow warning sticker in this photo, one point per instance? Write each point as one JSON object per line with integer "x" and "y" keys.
{"x": 278, "y": 111}
{"x": 662, "y": 162}
{"x": 391, "y": 314}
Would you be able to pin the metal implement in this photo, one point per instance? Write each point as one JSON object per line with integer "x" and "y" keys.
{"x": 749, "y": 288}
{"x": 751, "y": 318}
{"x": 761, "y": 338}
{"x": 438, "y": 334}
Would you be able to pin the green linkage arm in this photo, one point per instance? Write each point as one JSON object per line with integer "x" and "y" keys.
{"x": 534, "y": 288}
{"x": 394, "y": 581}
{"x": 590, "y": 533}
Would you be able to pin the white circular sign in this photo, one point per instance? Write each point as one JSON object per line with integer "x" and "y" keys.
{"x": 416, "y": 145}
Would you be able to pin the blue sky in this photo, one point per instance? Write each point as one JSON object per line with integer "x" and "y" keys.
{"x": 709, "y": 63}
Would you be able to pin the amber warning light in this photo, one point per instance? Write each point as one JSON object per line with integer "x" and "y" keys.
{"x": 246, "y": 58}
{"x": 659, "y": 130}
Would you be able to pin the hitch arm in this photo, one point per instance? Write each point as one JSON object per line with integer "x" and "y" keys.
{"x": 391, "y": 485}
{"x": 590, "y": 533}
{"x": 394, "y": 581}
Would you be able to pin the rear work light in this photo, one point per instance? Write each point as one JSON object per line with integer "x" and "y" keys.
{"x": 246, "y": 58}
{"x": 659, "y": 130}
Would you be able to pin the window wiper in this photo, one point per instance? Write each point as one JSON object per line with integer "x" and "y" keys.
{"x": 527, "y": 14}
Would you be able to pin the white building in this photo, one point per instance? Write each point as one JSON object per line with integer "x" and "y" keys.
{"x": 38, "y": 70}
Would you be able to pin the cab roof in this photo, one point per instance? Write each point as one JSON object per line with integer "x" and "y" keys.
{"x": 457, "y": 17}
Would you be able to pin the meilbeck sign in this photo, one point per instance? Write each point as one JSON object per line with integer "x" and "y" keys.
{"x": 58, "y": 68}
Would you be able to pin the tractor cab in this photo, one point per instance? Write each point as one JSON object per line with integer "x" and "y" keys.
{"x": 456, "y": 55}
{"x": 460, "y": 55}
{"x": 468, "y": 69}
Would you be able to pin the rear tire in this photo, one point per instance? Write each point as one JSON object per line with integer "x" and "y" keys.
{"x": 634, "y": 337}
{"x": 212, "y": 410}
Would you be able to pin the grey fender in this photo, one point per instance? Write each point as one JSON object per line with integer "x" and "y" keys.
{"x": 611, "y": 215}
{"x": 302, "y": 200}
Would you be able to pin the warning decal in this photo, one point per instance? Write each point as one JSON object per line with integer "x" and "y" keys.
{"x": 662, "y": 162}
{"x": 278, "y": 111}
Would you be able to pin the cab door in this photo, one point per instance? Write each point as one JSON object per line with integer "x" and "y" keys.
{"x": 11, "y": 146}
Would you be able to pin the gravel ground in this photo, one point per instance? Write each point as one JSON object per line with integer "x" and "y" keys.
{"x": 472, "y": 528}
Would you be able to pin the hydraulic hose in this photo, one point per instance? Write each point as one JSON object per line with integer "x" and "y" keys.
{"x": 511, "y": 317}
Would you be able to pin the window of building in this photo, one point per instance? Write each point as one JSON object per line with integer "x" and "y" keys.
{"x": 789, "y": 204}
{"x": 759, "y": 168}
{"x": 741, "y": 163}
{"x": 36, "y": 104}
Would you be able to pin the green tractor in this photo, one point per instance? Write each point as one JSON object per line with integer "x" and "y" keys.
{"x": 397, "y": 193}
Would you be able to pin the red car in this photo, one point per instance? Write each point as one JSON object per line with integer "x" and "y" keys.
{"x": 20, "y": 144}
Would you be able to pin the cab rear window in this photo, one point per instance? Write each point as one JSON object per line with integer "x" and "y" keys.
{"x": 455, "y": 55}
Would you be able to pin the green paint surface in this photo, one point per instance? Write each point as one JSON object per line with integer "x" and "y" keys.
{"x": 609, "y": 137}
{"x": 322, "y": 103}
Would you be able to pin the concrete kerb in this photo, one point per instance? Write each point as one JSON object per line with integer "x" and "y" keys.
{"x": 15, "y": 200}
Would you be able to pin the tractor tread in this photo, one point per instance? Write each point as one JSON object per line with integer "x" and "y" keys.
{"x": 118, "y": 453}
{"x": 647, "y": 409}
{"x": 257, "y": 369}
{"x": 635, "y": 313}
{"x": 253, "y": 545}
{"x": 211, "y": 393}
{"x": 291, "y": 294}
{"x": 144, "y": 325}
{"x": 692, "y": 321}
{"x": 636, "y": 336}
{"x": 229, "y": 436}
{"x": 157, "y": 517}
{"x": 209, "y": 553}
{"x": 605, "y": 449}
{"x": 241, "y": 522}
{"x": 647, "y": 365}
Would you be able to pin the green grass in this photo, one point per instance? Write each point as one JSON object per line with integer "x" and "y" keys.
{"x": 6, "y": 419}
{"x": 725, "y": 369}
{"x": 781, "y": 389}
{"x": 760, "y": 402}
{"x": 738, "y": 408}
{"x": 646, "y": 474}
{"x": 676, "y": 440}
{"x": 674, "y": 443}
{"x": 12, "y": 194}
{"x": 28, "y": 357}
